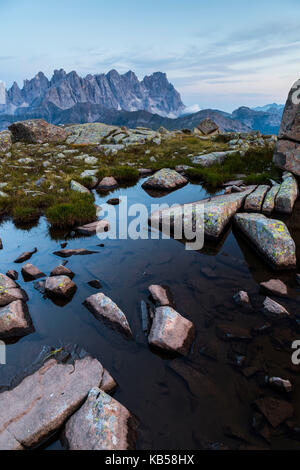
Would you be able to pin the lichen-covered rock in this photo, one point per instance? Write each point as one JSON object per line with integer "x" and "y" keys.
{"x": 287, "y": 156}
{"x": 254, "y": 201}
{"x": 171, "y": 331}
{"x": 103, "y": 308}
{"x": 269, "y": 202}
{"x": 75, "y": 186}
{"x": 107, "y": 183}
{"x": 9, "y": 291}
{"x": 44, "y": 400}
{"x": 212, "y": 158}
{"x": 287, "y": 195}
{"x": 166, "y": 180}
{"x": 271, "y": 238}
{"x": 216, "y": 212}
{"x": 88, "y": 134}
{"x": 60, "y": 286}
{"x": 15, "y": 320}
{"x": 37, "y": 131}
{"x": 5, "y": 141}
{"x": 242, "y": 298}
{"x": 101, "y": 423}
{"x": 30, "y": 272}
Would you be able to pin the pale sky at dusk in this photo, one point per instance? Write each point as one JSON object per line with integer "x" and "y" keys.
{"x": 217, "y": 54}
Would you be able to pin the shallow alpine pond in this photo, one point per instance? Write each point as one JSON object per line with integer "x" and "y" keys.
{"x": 204, "y": 400}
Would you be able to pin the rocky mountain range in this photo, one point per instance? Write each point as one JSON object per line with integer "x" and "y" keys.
{"x": 121, "y": 100}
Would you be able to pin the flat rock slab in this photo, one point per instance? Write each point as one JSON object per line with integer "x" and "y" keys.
{"x": 216, "y": 211}
{"x": 276, "y": 411}
{"x": 171, "y": 331}
{"x": 212, "y": 158}
{"x": 269, "y": 201}
{"x": 254, "y": 201}
{"x": 43, "y": 401}
{"x": 103, "y": 308}
{"x": 60, "y": 286}
{"x": 159, "y": 295}
{"x": 270, "y": 237}
{"x": 165, "y": 180}
{"x": 287, "y": 156}
{"x": 31, "y": 273}
{"x": 99, "y": 226}
{"x": 76, "y": 252}
{"x": 107, "y": 183}
{"x": 102, "y": 423}
{"x": 37, "y": 131}
{"x": 88, "y": 134}
{"x": 275, "y": 287}
{"x": 61, "y": 270}
{"x": 15, "y": 320}
{"x": 9, "y": 291}
{"x": 25, "y": 256}
{"x": 274, "y": 310}
{"x": 287, "y": 195}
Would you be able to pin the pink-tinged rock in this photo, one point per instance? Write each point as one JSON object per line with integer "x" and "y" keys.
{"x": 290, "y": 124}
{"x": 9, "y": 291}
{"x": 269, "y": 202}
{"x": 287, "y": 156}
{"x": 5, "y": 141}
{"x": 103, "y": 308}
{"x": 76, "y": 252}
{"x": 159, "y": 294}
{"x": 15, "y": 320}
{"x": 171, "y": 331}
{"x": 242, "y": 298}
{"x": 274, "y": 310}
{"x": 101, "y": 423}
{"x": 276, "y": 411}
{"x": 60, "y": 286}
{"x": 274, "y": 287}
{"x": 25, "y": 256}
{"x": 37, "y": 131}
{"x": 255, "y": 200}
{"x": 108, "y": 383}
{"x": 165, "y": 180}
{"x": 270, "y": 237}
{"x": 43, "y": 401}
{"x": 99, "y": 226}
{"x": 107, "y": 183}
{"x": 61, "y": 270}
{"x": 287, "y": 195}
{"x": 30, "y": 272}
{"x": 145, "y": 171}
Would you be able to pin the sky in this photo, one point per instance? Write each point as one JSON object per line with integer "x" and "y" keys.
{"x": 219, "y": 54}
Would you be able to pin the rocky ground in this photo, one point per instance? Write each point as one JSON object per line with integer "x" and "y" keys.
{"x": 54, "y": 169}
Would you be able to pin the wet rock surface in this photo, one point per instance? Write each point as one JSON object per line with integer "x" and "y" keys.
{"x": 60, "y": 286}
{"x": 15, "y": 320}
{"x": 287, "y": 195}
{"x": 165, "y": 180}
{"x": 31, "y": 272}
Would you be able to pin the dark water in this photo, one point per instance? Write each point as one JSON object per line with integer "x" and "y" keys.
{"x": 174, "y": 413}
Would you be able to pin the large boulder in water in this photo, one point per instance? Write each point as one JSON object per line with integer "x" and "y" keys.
{"x": 165, "y": 180}
{"x": 287, "y": 151}
{"x": 37, "y": 131}
{"x": 102, "y": 423}
{"x": 271, "y": 238}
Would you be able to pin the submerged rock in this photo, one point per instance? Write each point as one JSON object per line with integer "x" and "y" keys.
{"x": 166, "y": 180}
{"x": 31, "y": 273}
{"x": 60, "y": 286}
{"x": 254, "y": 201}
{"x": 275, "y": 287}
{"x": 103, "y": 308}
{"x": 232, "y": 333}
{"x": 271, "y": 238}
{"x": 212, "y": 158}
{"x": 75, "y": 252}
{"x": 287, "y": 195}
{"x": 171, "y": 331}
{"x": 41, "y": 403}
{"x": 15, "y": 320}
{"x": 37, "y": 131}
{"x": 275, "y": 411}
{"x": 101, "y": 423}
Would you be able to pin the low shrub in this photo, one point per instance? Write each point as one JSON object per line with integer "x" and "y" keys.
{"x": 77, "y": 211}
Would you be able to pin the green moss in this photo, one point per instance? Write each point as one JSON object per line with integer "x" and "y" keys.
{"x": 23, "y": 215}
{"x": 79, "y": 210}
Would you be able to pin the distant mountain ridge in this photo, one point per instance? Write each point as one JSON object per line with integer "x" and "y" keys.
{"x": 122, "y": 100}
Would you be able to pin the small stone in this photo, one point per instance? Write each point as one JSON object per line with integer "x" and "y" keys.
{"x": 61, "y": 270}
{"x": 12, "y": 274}
{"x": 159, "y": 294}
{"x": 232, "y": 333}
{"x": 107, "y": 183}
{"x": 242, "y": 298}
{"x": 76, "y": 252}
{"x": 95, "y": 284}
{"x": 60, "y": 286}
{"x": 114, "y": 201}
{"x": 31, "y": 273}
{"x": 275, "y": 287}
{"x": 15, "y": 320}
{"x": 25, "y": 256}
{"x": 274, "y": 310}
{"x": 280, "y": 384}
